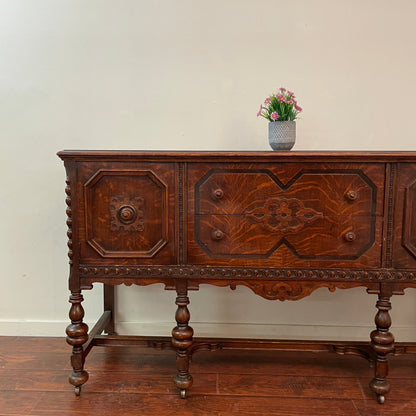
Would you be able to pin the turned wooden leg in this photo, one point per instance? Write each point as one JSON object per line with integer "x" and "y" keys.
{"x": 182, "y": 339}
{"x": 109, "y": 306}
{"x": 382, "y": 341}
{"x": 77, "y": 335}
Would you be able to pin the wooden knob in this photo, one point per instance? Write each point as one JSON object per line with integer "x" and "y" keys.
{"x": 351, "y": 195}
{"x": 217, "y": 235}
{"x": 350, "y": 236}
{"x": 218, "y": 193}
{"x": 126, "y": 214}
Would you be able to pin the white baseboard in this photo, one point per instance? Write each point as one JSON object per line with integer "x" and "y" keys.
{"x": 26, "y": 328}
{"x": 267, "y": 331}
{"x": 208, "y": 329}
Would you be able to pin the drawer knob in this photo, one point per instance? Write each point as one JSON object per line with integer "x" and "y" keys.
{"x": 217, "y": 235}
{"x": 218, "y": 193}
{"x": 350, "y": 236}
{"x": 351, "y": 195}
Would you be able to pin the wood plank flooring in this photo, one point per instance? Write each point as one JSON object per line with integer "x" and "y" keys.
{"x": 138, "y": 381}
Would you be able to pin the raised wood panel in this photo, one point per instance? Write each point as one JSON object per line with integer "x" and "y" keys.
{"x": 285, "y": 215}
{"x": 243, "y": 238}
{"x": 330, "y": 191}
{"x": 128, "y": 213}
{"x": 404, "y": 226}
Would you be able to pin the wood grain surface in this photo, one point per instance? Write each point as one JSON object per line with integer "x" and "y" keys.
{"x": 135, "y": 381}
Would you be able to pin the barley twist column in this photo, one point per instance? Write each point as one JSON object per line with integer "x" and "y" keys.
{"x": 77, "y": 335}
{"x": 182, "y": 339}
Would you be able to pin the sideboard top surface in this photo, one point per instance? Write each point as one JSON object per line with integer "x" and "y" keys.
{"x": 351, "y": 156}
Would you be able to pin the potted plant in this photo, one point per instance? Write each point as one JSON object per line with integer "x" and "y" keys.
{"x": 281, "y": 109}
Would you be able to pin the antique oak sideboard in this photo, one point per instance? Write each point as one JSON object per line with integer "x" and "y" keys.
{"x": 283, "y": 224}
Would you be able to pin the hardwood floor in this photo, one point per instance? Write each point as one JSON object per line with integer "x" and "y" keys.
{"x": 138, "y": 381}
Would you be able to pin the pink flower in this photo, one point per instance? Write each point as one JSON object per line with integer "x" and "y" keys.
{"x": 259, "y": 113}
{"x": 274, "y": 116}
{"x": 281, "y": 98}
{"x": 283, "y": 89}
{"x": 291, "y": 93}
{"x": 267, "y": 100}
{"x": 298, "y": 108}
{"x": 289, "y": 102}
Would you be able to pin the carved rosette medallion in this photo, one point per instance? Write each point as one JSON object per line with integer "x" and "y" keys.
{"x": 284, "y": 214}
{"x": 127, "y": 214}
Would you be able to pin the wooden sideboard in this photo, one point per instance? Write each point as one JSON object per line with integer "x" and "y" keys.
{"x": 282, "y": 224}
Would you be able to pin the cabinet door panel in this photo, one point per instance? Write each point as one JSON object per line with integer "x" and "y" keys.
{"x": 128, "y": 212}
{"x": 404, "y": 225}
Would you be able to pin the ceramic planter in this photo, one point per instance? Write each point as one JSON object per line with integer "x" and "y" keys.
{"x": 282, "y": 134}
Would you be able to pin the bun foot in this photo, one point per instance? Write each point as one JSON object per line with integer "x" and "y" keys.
{"x": 380, "y": 398}
{"x": 183, "y": 393}
{"x": 77, "y": 390}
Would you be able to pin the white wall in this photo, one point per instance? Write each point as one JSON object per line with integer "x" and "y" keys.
{"x": 187, "y": 74}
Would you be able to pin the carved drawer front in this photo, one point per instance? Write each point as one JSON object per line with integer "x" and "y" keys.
{"x": 128, "y": 213}
{"x": 404, "y": 224}
{"x": 286, "y": 215}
